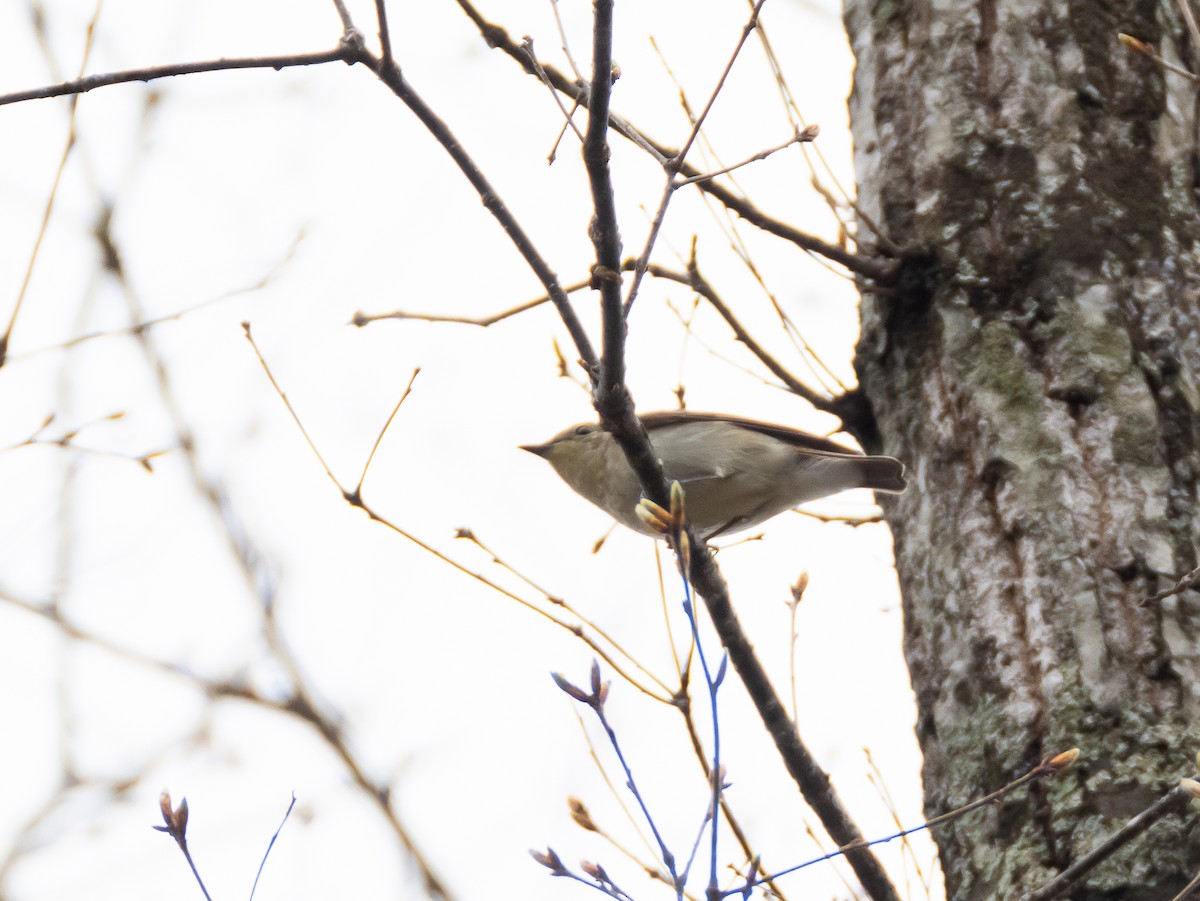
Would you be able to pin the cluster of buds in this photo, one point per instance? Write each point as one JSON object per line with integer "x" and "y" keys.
{"x": 175, "y": 818}
{"x": 594, "y": 698}
{"x": 672, "y": 523}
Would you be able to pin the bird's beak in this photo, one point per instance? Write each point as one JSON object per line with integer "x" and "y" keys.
{"x": 541, "y": 450}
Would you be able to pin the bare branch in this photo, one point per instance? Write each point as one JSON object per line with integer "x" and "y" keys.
{"x": 1191, "y": 580}
{"x": 1149, "y": 52}
{"x": 675, "y": 163}
{"x": 68, "y": 143}
{"x": 344, "y": 14}
{"x": 881, "y": 272}
{"x": 747, "y": 30}
{"x": 694, "y": 280}
{"x": 604, "y": 230}
{"x": 1049, "y": 766}
{"x": 1185, "y": 10}
{"x": 385, "y": 39}
{"x": 362, "y": 319}
{"x": 379, "y": 440}
{"x": 800, "y": 137}
{"x": 527, "y": 46}
{"x": 390, "y": 75}
{"x": 566, "y": 46}
{"x": 342, "y": 53}
{"x": 355, "y": 499}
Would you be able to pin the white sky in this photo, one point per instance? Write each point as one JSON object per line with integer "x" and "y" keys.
{"x": 441, "y": 686}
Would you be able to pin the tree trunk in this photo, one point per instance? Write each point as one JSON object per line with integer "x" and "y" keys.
{"x": 1037, "y": 368}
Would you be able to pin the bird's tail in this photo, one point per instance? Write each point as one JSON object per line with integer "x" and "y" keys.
{"x": 883, "y": 474}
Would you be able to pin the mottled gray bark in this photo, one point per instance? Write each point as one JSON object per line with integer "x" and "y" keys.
{"x": 1038, "y": 368}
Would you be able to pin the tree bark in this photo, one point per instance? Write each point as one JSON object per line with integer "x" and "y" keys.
{"x": 1037, "y": 368}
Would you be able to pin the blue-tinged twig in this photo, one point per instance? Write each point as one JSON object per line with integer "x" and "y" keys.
{"x": 595, "y": 698}
{"x": 271, "y": 844}
{"x": 176, "y": 819}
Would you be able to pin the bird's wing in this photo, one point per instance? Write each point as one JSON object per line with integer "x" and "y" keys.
{"x": 811, "y": 443}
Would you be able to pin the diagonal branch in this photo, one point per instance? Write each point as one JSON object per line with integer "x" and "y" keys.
{"x": 675, "y": 164}
{"x": 389, "y": 73}
{"x": 698, "y": 283}
{"x": 342, "y": 53}
{"x": 1172, "y": 802}
{"x": 880, "y": 272}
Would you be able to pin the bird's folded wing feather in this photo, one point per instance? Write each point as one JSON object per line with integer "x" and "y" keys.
{"x": 803, "y": 440}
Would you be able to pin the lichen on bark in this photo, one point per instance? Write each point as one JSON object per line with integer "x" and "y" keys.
{"x": 1037, "y": 369}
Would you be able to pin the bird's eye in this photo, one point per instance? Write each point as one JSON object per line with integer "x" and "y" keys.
{"x": 584, "y": 430}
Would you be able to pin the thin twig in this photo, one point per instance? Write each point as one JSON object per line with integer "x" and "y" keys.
{"x": 527, "y": 45}
{"x": 1051, "y": 765}
{"x": 694, "y": 280}
{"x": 390, "y": 75}
{"x": 881, "y": 272}
{"x": 852, "y": 521}
{"x": 1191, "y": 580}
{"x": 1185, "y": 10}
{"x": 563, "y": 604}
{"x": 68, "y": 144}
{"x": 145, "y": 325}
{"x": 344, "y": 15}
{"x": 270, "y": 845}
{"x": 889, "y": 803}
{"x": 668, "y": 858}
{"x": 1188, "y": 889}
{"x": 191, "y": 863}
{"x": 794, "y": 115}
{"x": 342, "y": 53}
{"x": 566, "y": 46}
{"x": 379, "y": 440}
{"x": 360, "y": 502}
{"x": 675, "y": 163}
{"x": 361, "y": 319}
{"x": 385, "y": 39}
{"x": 798, "y": 138}
{"x": 283, "y": 397}
{"x": 728, "y": 224}
{"x": 620, "y": 800}
{"x": 1138, "y": 46}
{"x": 813, "y": 781}
{"x": 716, "y": 771}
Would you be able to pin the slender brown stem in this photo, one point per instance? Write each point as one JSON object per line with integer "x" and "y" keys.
{"x": 390, "y": 75}
{"x": 798, "y": 138}
{"x": 675, "y": 163}
{"x": 344, "y": 14}
{"x": 700, "y": 285}
{"x": 880, "y": 272}
{"x": 341, "y": 53}
{"x": 1187, "y": 582}
{"x": 1185, "y": 10}
{"x": 361, "y": 319}
{"x": 385, "y": 39}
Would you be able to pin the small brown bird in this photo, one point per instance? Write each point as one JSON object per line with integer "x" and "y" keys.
{"x": 735, "y": 473}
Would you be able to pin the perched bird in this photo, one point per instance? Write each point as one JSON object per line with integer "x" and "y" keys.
{"x": 735, "y": 473}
